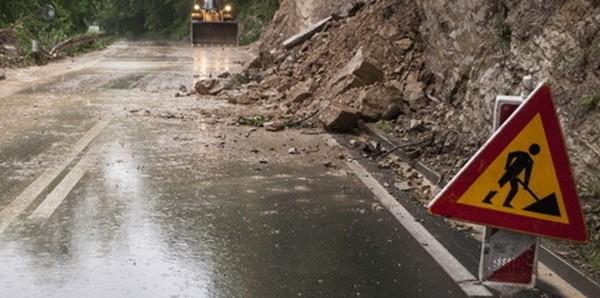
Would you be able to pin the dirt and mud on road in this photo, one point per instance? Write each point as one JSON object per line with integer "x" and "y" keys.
{"x": 114, "y": 186}
{"x": 369, "y": 63}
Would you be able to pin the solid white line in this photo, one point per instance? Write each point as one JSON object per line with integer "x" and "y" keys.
{"x": 28, "y": 196}
{"x": 465, "y": 280}
{"x": 55, "y": 198}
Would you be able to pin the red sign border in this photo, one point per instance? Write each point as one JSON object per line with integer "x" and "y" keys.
{"x": 540, "y": 102}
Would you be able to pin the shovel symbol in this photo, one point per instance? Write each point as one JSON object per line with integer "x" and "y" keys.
{"x": 547, "y": 205}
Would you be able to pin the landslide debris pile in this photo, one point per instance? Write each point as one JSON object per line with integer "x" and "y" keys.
{"x": 363, "y": 63}
{"x": 427, "y": 72}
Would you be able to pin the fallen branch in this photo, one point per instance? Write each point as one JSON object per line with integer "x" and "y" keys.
{"x": 74, "y": 41}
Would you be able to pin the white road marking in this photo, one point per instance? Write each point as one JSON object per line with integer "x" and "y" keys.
{"x": 562, "y": 287}
{"x": 55, "y": 198}
{"x": 464, "y": 279}
{"x": 28, "y": 196}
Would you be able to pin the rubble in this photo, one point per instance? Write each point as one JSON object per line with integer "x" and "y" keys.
{"x": 381, "y": 102}
{"x": 339, "y": 118}
{"x": 301, "y": 91}
{"x": 360, "y": 70}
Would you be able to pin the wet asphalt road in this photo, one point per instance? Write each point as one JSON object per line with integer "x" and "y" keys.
{"x": 112, "y": 187}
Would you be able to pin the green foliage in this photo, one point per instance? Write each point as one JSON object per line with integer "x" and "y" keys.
{"x": 257, "y": 120}
{"x": 504, "y": 32}
{"x": 128, "y": 18}
{"x": 589, "y": 103}
{"x": 253, "y": 16}
{"x": 385, "y": 126}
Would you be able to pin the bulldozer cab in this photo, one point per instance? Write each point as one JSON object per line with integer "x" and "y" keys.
{"x": 213, "y": 23}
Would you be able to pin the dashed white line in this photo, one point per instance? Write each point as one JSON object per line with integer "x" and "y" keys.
{"x": 9, "y": 214}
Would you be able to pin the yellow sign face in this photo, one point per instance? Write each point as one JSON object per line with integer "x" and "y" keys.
{"x": 522, "y": 180}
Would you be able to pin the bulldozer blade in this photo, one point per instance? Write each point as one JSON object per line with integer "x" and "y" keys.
{"x": 215, "y": 33}
{"x": 547, "y": 206}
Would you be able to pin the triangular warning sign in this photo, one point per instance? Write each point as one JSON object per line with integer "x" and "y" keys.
{"x": 521, "y": 179}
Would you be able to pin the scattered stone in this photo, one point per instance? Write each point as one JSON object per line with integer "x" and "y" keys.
{"x": 274, "y": 126}
{"x": 403, "y": 186}
{"x": 404, "y": 44}
{"x": 2, "y": 76}
{"x": 203, "y": 87}
{"x": 327, "y": 163}
{"x": 528, "y": 83}
{"x": 224, "y": 75}
{"x": 293, "y": 151}
{"x": 339, "y": 118}
{"x": 262, "y": 161}
{"x": 306, "y": 34}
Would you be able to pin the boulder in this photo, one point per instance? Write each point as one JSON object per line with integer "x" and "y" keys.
{"x": 301, "y": 91}
{"x": 338, "y": 118}
{"x": 242, "y": 98}
{"x": 224, "y": 75}
{"x": 217, "y": 87}
{"x": 414, "y": 93}
{"x": 306, "y": 34}
{"x": 274, "y": 126}
{"x": 203, "y": 86}
{"x": 361, "y": 70}
{"x": 381, "y": 103}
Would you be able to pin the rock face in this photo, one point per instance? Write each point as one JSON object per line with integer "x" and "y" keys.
{"x": 488, "y": 53}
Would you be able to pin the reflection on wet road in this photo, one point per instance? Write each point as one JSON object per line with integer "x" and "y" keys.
{"x": 160, "y": 206}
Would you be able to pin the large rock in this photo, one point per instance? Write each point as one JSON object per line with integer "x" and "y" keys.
{"x": 414, "y": 92}
{"x": 216, "y": 88}
{"x": 338, "y": 118}
{"x": 360, "y": 71}
{"x": 204, "y": 86}
{"x": 301, "y": 91}
{"x": 306, "y": 34}
{"x": 381, "y": 103}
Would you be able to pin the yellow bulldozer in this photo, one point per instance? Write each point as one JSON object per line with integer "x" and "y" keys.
{"x": 213, "y": 23}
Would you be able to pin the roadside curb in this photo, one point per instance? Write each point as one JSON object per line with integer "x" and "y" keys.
{"x": 571, "y": 274}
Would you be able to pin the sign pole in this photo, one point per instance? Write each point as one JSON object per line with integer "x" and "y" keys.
{"x": 508, "y": 261}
